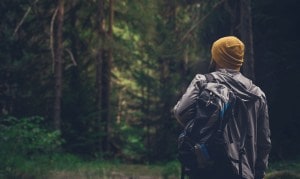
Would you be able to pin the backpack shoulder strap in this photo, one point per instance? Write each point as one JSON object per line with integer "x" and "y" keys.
{"x": 245, "y": 125}
{"x": 209, "y": 77}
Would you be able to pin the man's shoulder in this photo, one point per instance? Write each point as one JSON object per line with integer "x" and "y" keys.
{"x": 252, "y": 87}
{"x": 240, "y": 83}
{"x": 200, "y": 77}
{"x": 259, "y": 92}
{"x": 199, "y": 80}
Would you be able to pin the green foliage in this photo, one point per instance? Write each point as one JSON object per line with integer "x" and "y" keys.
{"x": 131, "y": 146}
{"x": 283, "y": 175}
{"x": 172, "y": 168}
{"x": 70, "y": 166}
{"x": 61, "y": 165}
{"x": 291, "y": 165}
{"x": 284, "y": 169}
{"x": 40, "y": 166}
{"x": 24, "y": 138}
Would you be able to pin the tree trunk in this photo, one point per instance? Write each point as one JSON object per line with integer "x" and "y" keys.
{"x": 166, "y": 69}
{"x": 99, "y": 64}
{"x": 241, "y": 26}
{"x": 107, "y": 65}
{"x": 246, "y": 34}
{"x": 58, "y": 66}
{"x": 103, "y": 73}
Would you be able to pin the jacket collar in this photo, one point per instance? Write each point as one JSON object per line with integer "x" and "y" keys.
{"x": 228, "y": 71}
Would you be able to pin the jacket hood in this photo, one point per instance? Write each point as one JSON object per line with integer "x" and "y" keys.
{"x": 241, "y": 85}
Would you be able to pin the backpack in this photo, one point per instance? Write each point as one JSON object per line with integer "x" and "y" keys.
{"x": 202, "y": 141}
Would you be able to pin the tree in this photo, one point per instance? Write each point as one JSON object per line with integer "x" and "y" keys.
{"x": 168, "y": 54}
{"x": 241, "y": 26}
{"x": 103, "y": 71}
{"x": 58, "y": 65}
{"x": 99, "y": 64}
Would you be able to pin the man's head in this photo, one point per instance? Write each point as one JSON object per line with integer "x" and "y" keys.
{"x": 228, "y": 52}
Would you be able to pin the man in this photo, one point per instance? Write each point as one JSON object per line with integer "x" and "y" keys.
{"x": 227, "y": 59}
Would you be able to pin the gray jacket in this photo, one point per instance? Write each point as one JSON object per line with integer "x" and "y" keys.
{"x": 258, "y": 142}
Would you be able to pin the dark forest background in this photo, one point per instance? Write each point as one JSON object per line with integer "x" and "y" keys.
{"x": 98, "y": 78}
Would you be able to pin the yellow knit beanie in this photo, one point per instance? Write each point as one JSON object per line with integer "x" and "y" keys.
{"x": 228, "y": 52}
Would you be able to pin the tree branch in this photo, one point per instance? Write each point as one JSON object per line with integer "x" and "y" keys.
{"x": 74, "y": 63}
{"x": 51, "y": 38}
{"x": 23, "y": 19}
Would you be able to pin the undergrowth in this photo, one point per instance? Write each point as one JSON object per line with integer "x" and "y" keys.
{"x": 60, "y": 166}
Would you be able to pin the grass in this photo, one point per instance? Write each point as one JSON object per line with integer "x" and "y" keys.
{"x": 101, "y": 169}
{"x": 108, "y": 170}
{"x": 284, "y": 170}
{"x": 71, "y": 167}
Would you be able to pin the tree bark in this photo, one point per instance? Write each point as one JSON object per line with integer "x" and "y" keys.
{"x": 241, "y": 26}
{"x": 103, "y": 73}
{"x": 58, "y": 66}
{"x": 99, "y": 64}
{"x": 246, "y": 34}
{"x": 107, "y": 65}
{"x": 166, "y": 69}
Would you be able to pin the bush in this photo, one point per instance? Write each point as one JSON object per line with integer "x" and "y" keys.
{"x": 21, "y": 139}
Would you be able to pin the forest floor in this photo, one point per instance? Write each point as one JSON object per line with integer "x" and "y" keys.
{"x": 137, "y": 174}
{"x": 73, "y": 168}
{"x": 171, "y": 170}
{"x": 284, "y": 174}
{"x": 119, "y": 175}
